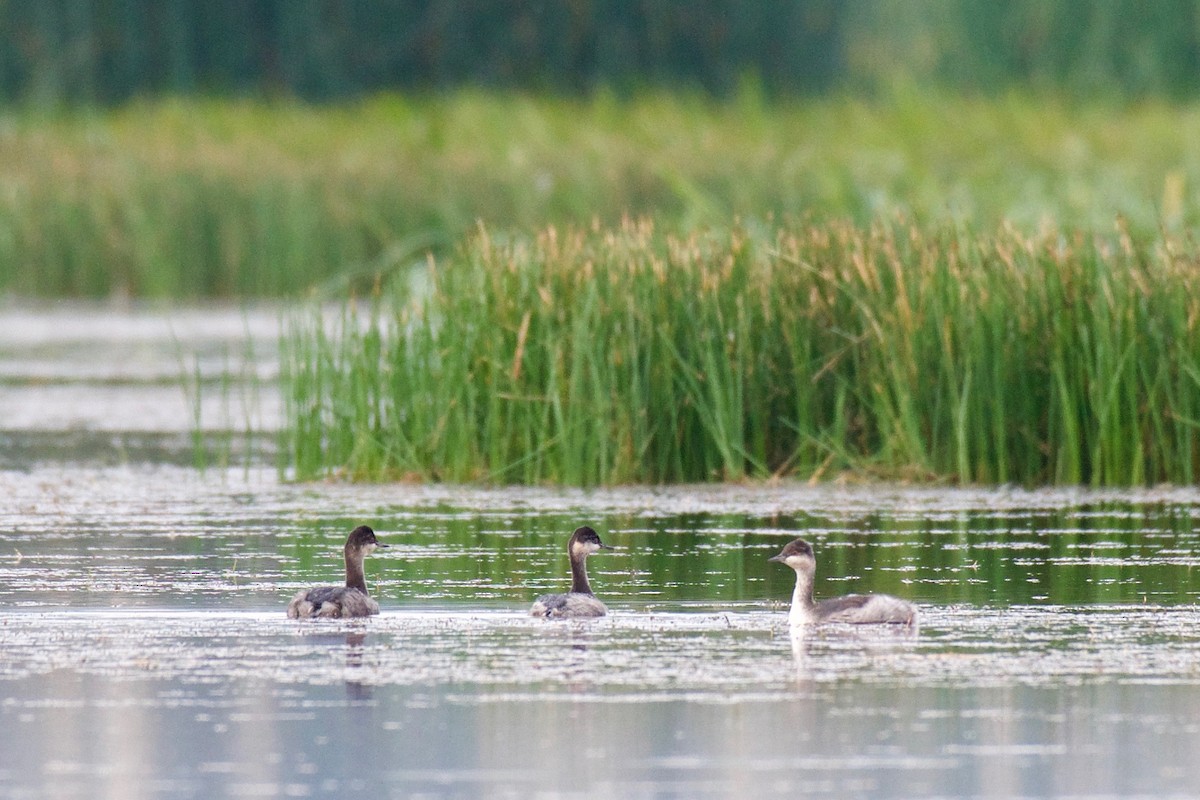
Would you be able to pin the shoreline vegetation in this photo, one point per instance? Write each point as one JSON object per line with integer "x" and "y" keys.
{"x": 194, "y": 199}
{"x": 633, "y": 353}
{"x": 664, "y": 287}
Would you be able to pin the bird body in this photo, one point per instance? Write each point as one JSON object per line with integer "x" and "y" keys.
{"x": 579, "y": 602}
{"x": 859, "y": 609}
{"x": 350, "y": 600}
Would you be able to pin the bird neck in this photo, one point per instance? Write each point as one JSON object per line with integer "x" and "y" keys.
{"x": 802, "y": 597}
{"x": 354, "y": 570}
{"x": 579, "y": 578}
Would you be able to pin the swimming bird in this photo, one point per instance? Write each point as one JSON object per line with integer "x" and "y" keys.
{"x": 856, "y": 608}
{"x": 350, "y": 600}
{"x": 579, "y": 602}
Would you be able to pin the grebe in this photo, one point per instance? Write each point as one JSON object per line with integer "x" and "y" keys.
{"x": 856, "y": 608}
{"x": 579, "y": 602}
{"x": 350, "y": 600}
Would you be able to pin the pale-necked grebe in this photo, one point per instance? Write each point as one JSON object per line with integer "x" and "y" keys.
{"x": 350, "y": 600}
{"x": 579, "y": 602}
{"x": 856, "y": 608}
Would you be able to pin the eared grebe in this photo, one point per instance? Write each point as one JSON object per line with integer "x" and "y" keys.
{"x": 857, "y": 608}
{"x": 579, "y": 602}
{"x": 350, "y": 600}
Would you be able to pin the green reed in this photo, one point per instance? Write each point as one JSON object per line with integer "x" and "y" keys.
{"x": 634, "y": 354}
{"x": 197, "y": 199}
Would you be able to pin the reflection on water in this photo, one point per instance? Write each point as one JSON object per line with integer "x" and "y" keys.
{"x": 71, "y": 369}
{"x": 146, "y": 651}
{"x": 263, "y": 740}
{"x": 1032, "y": 702}
{"x": 168, "y": 536}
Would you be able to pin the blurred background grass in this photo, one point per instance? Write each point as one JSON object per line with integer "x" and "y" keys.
{"x": 937, "y": 239}
{"x": 258, "y": 148}
{"x": 111, "y": 51}
{"x": 191, "y": 199}
{"x": 237, "y": 148}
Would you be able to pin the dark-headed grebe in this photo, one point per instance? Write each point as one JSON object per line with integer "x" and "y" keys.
{"x": 579, "y": 602}
{"x": 350, "y": 600}
{"x": 856, "y": 608}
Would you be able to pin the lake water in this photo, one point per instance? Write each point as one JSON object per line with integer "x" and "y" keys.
{"x": 144, "y": 651}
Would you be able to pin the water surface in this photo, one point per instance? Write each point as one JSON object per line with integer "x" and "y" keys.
{"x": 146, "y": 652}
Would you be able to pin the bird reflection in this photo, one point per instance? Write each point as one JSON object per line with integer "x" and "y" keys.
{"x": 836, "y": 649}
{"x": 356, "y": 690}
{"x": 571, "y": 643}
{"x": 799, "y": 638}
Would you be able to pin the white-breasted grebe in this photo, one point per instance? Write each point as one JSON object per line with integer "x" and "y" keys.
{"x": 579, "y": 602}
{"x": 856, "y": 608}
{"x": 350, "y": 600}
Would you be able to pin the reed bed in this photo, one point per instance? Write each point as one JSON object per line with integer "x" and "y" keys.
{"x": 193, "y": 199}
{"x": 632, "y": 353}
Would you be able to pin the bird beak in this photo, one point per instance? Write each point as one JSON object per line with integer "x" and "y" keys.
{"x": 776, "y": 558}
{"x": 607, "y": 547}
{"x": 381, "y": 544}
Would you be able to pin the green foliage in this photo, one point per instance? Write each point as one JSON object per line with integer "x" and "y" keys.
{"x": 112, "y": 50}
{"x": 192, "y": 199}
{"x": 55, "y": 52}
{"x": 1086, "y": 48}
{"x": 631, "y": 353}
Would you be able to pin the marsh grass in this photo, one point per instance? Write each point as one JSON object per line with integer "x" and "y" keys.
{"x": 224, "y": 400}
{"x": 202, "y": 199}
{"x": 634, "y": 354}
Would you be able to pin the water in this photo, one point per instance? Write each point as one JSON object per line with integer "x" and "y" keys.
{"x": 145, "y": 652}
